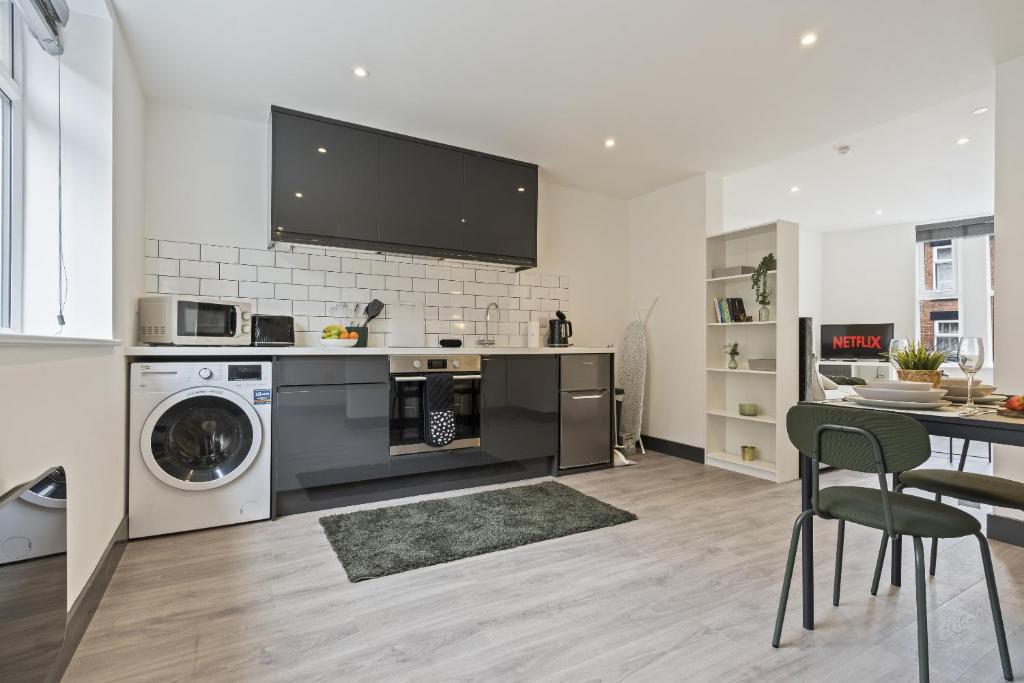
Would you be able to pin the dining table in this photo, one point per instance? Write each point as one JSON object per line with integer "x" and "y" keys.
{"x": 987, "y": 426}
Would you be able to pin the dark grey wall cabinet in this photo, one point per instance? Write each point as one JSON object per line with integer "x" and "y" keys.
{"x": 520, "y": 408}
{"x": 341, "y": 184}
{"x": 330, "y": 422}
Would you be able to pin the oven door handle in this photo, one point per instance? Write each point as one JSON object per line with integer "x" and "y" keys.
{"x": 422, "y": 378}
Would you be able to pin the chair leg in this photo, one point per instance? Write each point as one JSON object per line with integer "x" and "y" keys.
{"x": 922, "y": 612}
{"x": 839, "y": 563}
{"x": 997, "y": 612}
{"x": 788, "y": 577}
{"x": 935, "y": 545}
{"x": 879, "y": 562}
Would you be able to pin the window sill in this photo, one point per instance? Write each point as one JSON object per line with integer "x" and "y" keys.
{"x": 43, "y": 340}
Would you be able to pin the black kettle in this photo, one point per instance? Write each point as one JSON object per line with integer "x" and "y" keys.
{"x": 559, "y": 330}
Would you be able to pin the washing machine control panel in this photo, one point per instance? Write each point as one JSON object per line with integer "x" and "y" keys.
{"x": 245, "y": 372}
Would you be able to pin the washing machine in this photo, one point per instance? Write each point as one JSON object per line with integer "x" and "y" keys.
{"x": 199, "y": 445}
{"x": 35, "y": 524}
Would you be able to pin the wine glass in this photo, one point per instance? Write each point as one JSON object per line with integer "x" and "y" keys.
{"x": 895, "y": 347}
{"x": 971, "y": 358}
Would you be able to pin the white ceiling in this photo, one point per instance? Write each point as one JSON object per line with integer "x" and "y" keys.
{"x": 910, "y": 168}
{"x": 684, "y": 85}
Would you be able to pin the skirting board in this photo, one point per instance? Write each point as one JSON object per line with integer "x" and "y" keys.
{"x": 674, "y": 448}
{"x": 89, "y": 599}
{"x": 1006, "y": 529}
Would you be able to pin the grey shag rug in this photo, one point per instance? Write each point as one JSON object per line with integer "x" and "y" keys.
{"x": 391, "y": 540}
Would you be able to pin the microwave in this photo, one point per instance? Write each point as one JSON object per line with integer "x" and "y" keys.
{"x": 175, "y": 320}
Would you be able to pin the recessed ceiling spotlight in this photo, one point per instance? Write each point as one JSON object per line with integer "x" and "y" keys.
{"x": 299, "y": 195}
{"x": 520, "y": 189}
{"x": 808, "y": 39}
{"x": 980, "y": 110}
{"x": 794, "y": 189}
{"x": 609, "y": 142}
{"x": 962, "y": 141}
{"x": 360, "y": 72}
{"x": 878, "y": 212}
{"x": 322, "y": 150}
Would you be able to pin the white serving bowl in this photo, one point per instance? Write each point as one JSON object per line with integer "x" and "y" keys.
{"x": 977, "y": 390}
{"x": 913, "y": 395}
{"x": 340, "y": 343}
{"x": 900, "y": 384}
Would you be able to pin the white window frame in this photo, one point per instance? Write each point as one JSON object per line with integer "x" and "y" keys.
{"x": 12, "y": 189}
{"x": 936, "y": 261}
{"x": 936, "y": 334}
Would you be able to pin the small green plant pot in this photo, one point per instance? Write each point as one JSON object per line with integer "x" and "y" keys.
{"x": 748, "y": 453}
{"x": 748, "y": 409}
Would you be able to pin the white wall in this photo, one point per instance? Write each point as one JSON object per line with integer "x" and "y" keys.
{"x": 667, "y": 230}
{"x": 66, "y": 406}
{"x": 583, "y": 235}
{"x": 812, "y": 278}
{"x": 1009, "y": 321}
{"x": 868, "y": 276}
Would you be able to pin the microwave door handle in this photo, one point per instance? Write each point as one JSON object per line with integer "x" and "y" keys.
{"x": 236, "y": 314}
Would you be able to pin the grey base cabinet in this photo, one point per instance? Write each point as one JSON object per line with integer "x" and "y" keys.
{"x": 520, "y": 408}
{"x": 330, "y": 422}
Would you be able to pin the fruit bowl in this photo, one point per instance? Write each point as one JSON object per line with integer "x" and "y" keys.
{"x": 340, "y": 343}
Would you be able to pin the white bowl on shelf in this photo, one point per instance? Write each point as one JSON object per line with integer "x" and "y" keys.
{"x": 340, "y": 343}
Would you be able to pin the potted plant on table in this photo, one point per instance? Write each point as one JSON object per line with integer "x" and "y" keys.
{"x": 759, "y": 283}
{"x": 918, "y": 363}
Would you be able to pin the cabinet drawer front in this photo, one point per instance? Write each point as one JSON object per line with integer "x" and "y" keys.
{"x": 322, "y": 371}
{"x": 586, "y": 435}
{"x": 586, "y": 371}
{"x": 330, "y": 435}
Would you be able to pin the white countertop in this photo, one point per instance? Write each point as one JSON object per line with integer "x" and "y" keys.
{"x": 185, "y": 351}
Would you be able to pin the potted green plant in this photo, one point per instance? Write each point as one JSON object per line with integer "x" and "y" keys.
{"x": 759, "y": 283}
{"x": 918, "y": 363}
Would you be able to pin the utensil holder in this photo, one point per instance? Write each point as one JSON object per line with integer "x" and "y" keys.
{"x": 362, "y": 332}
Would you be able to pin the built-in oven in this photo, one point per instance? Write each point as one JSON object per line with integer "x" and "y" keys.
{"x": 408, "y": 380}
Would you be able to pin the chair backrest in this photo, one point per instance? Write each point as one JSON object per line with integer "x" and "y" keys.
{"x": 903, "y": 440}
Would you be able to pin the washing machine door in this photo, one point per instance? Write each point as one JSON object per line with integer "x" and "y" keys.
{"x": 50, "y": 491}
{"x": 201, "y": 438}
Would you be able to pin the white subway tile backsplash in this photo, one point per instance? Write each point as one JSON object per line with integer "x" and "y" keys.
{"x": 161, "y": 266}
{"x": 319, "y": 286}
{"x": 308, "y": 308}
{"x": 212, "y": 252}
{"x": 218, "y": 288}
{"x": 424, "y": 285}
{"x": 291, "y": 260}
{"x": 340, "y": 279}
{"x": 307, "y": 277}
{"x": 332, "y": 263}
{"x": 385, "y": 268}
{"x": 285, "y": 291}
{"x": 178, "y": 250}
{"x": 269, "y": 274}
{"x": 274, "y": 307}
{"x": 256, "y": 257}
{"x": 355, "y": 265}
{"x": 178, "y": 285}
{"x": 256, "y": 290}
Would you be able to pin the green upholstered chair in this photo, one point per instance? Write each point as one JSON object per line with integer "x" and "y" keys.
{"x": 881, "y": 443}
{"x": 977, "y": 488}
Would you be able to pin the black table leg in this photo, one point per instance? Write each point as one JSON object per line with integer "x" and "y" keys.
{"x": 807, "y": 544}
{"x": 896, "y": 553}
{"x": 963, "y": 455}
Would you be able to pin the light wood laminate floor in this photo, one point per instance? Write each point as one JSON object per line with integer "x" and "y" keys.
{"x": 687, "y": 592}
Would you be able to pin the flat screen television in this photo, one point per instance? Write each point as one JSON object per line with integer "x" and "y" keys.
{"x": 855, "y": 342}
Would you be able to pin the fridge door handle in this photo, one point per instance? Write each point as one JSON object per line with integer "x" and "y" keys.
{"x": 582, "y": 397}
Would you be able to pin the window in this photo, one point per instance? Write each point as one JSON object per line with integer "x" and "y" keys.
{"x": 947, "y": 337}
{"x": 943, "y": 272}
{"x": 10, "y": 232}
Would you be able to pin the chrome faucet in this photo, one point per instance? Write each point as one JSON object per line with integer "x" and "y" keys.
{"x": 487, "y": 339}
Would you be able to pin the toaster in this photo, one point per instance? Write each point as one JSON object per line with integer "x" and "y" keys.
{"x": 273, "y": 330}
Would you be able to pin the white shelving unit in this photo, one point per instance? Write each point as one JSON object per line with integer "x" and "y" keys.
{"x": 773, "y": 391}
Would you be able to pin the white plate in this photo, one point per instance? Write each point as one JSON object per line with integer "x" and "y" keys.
{"x": 894, "y": 394}
{"x": 991, "y": 399}
{"x": 900, "y": 384}
{"x": 978, "y": 390}
{"x": 897, "y": 405}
